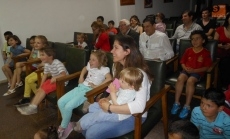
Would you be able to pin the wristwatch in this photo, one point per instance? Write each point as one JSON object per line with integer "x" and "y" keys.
{"x": 109, "y": 111}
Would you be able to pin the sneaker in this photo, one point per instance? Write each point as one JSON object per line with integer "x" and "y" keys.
{"x": 77, "y": 127}
{"x": 19, "y": 84}
{"x": 9, "y": 92}
{"x": 60, "y": 132}
{"x": 27, "y": 110}
{"x": 22, "y": 102}
{"x": 175, "y": 108}
{"x": 184, "y": 112}
{"x": 67, "y": 130}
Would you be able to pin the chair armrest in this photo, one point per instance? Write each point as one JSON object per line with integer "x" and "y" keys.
{"x": 150, "y": 103}
{"x": 60, "y": 82}
{"x": 39, "y": 72}
{"x": 29, "y": 64}
{"x": 212, "y": 74}
{"x": 17, "y": 58}
{"x": 214, "y": 65}
{"x": 173, "y": 59}
{"x": 99, "y": 89}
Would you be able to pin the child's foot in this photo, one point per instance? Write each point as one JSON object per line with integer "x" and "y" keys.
{"x": 27, "y": 110}
{"x": 10, "y": 91}
{"x": 77, "y": 127}
{"x": 19, "y": 84}
{"x": 68, "y": 130}
{"x": 85, "y": 107}
{"x": 184, "y": 112}
{"x": 60, "y": 132}
{"x": 175, "y": 108}
{"x": 22, "y": 102}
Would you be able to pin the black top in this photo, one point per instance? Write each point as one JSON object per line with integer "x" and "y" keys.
{"x": 211, "y": 24}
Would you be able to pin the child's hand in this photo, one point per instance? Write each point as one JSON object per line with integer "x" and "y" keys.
{"x": 189, "y": 70}
{"x": 53, "y": 80}
{"x": 112, "y": 88}
{"x": 92, "y": 85}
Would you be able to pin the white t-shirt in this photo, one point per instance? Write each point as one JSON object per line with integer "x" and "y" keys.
{"x": 155, "y": 46}
{"x": 95, "y": 75}
{"x": 83, "y": 45}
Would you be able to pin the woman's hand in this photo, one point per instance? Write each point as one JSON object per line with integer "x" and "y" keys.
{"x": 104, "y": 104}
{"x": 53, "y": 80}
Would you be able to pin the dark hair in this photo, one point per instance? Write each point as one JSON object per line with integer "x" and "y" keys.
{"x": 101, "y": 17}
{"x": 111, "y": 22}
{"x": 9, "y": 33}
{"x": 206, "y": 9}
{"x": 134, "y": 59}
{"x": 190, "y": 13}
{"x": 32, "y": 37}
{"x": 226, "y": 23}
{"x": 48, "y": 133}
{"x": 49, "y": 51}
{"x": 161, "y": 16}
{"x": 202, "y": 34}
{"x": 185, "y": 128}
{"x": 15, "y": 37}
{"x": 150, "y": 19}
{"x": 215, "y": 96}
{"x": 135, "y": 18}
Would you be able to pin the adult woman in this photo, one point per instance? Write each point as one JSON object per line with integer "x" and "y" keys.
{"x": 135, "y": 24}
{"x": 101, "y": 38}
{"x": 125, "y": 54}
{"x": 223, "y": 36}
{"x": 160, "y": 26}
{"x": 206, "y": 23}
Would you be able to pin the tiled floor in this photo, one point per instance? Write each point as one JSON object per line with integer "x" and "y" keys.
{"x": 13, "y": 125}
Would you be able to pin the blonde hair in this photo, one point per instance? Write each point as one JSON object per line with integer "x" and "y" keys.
{"x": 133, "y": 76}
{"x": 82, "y": 35}
{"x": 43, "y": 39}
{"x": 101, "y": 56}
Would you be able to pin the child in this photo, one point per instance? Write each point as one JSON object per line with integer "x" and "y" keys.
{"x": 195, "y": 62}
{"x": 130, "y": 82}
{"x": 81, "y": 38}
{"x": 111, "y": 30}
{"x": 209, "y": 117}
{"x": 20, "y": 66}
{"x": 97, "y": 74}
{"x": 15, "y": 50}
{"x": 6, "y": 48}
{"x": 30, "y": 80}
{"x": 160, "y": 26}
{"x": 53, "y": 67}
{"x": 183, "y": 129}
{"x": 47, "y": 133}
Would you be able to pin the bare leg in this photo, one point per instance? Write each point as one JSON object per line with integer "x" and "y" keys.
{"x": 190, "y": 89}
{"x": 13, "y": 82}
{"x": 7, "y": 71}
{"x": 40, "y": 95}
{"x": 179, "y": 86}
{"x": 20, "y": 66}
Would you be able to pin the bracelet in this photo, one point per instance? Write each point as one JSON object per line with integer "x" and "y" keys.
{"x": 109, "y": 111}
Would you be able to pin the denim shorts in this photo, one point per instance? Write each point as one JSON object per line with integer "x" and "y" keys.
{"x": 197, "y": 76}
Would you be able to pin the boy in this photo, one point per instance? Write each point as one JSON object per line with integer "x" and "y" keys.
{"x": 111, "y": 30}
{"x": 209, "y": 117}
{"x": 6, "y": 48}
{"x": 56, "y": 69}
{"x": 183, "y": 129}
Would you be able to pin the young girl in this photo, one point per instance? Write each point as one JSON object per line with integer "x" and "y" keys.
{"x": 30, "y": 81}
{"x": 81, "y": 38}
{"x": 15, "y": 50}
{"x": 97, "y": 74}
{"x": 195, "y": 61}
{"x": 20, "y": 66}
{"x": 130, "y": 82}
{"x": 47, "y": 133}
{"x": 160, "y": 26}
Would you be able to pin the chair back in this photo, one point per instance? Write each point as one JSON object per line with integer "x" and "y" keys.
{"x": 60, "y": 50}
{"x": 173, "y": 43}
{"x": 110, "y": 61}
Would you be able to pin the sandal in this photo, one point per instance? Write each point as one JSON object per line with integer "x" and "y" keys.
{"x": 9, "y": 92}
{"x": 18, "y": 84}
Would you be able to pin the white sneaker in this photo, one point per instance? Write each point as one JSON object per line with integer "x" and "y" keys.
{"x": 27, "y": 110}
{"x": 9, "y": 92}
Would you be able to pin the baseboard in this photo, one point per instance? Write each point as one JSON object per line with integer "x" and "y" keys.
{"x": 3, "y": 81}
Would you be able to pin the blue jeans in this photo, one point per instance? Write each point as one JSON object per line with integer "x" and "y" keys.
{"x": 106, "y": 130}
{"x": 71, "y": 100}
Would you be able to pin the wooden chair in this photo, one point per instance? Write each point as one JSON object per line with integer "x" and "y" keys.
{"x": 210, "y": 78}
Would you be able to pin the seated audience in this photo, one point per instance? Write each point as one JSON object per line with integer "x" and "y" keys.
{"x": 154, "y": 44}
{"x": 6, "y": 48}
{"x": 207, "y": 24}
{"x": 111, "y": 30}
{"x": 183, "y": 129}
{"x": 101, "y": 38}
{"x": 81, "y": 38}
{"x": 100, "y": 20}
{"x": 209, "y": 117}
{"x": 183, "y": 31}
{"x": 135, "y": 24}
{"x": 124, "y": 27}
{"x": 195, "y": 62}
{"x": 160, "y": 26}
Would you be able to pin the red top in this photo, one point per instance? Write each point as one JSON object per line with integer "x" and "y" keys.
{"x": 113, "y": 30}
{"x": 196, "y": 60}
{"x": 222, "y": 39}
{"x": 102, "y": 42}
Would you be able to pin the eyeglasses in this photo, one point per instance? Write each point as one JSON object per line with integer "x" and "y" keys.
{"x": 147, "y": 43}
